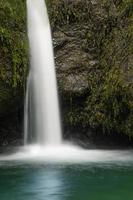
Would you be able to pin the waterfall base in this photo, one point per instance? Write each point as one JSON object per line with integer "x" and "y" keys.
{"x": 68, "y": 154}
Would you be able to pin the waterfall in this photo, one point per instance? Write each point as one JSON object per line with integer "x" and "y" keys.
{"x": 42, "y": 116}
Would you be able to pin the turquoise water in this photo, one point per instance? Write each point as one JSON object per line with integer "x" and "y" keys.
{"x": 21, "y": 181}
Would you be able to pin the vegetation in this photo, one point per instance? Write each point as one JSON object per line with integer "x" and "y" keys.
{"x": 13, "y": 53}
{"x": 105, "y": 30}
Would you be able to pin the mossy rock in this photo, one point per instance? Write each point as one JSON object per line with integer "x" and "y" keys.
{"x": 13, "y": 54}
{"x": 94, "y": 64}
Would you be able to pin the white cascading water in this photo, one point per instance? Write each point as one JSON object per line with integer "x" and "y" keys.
{"x": 42, "y": 117}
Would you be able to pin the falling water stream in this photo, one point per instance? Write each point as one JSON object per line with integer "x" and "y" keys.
{"x": 42, "y": 116}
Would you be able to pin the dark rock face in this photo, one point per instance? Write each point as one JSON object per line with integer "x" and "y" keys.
{"x": 70, "y": 61}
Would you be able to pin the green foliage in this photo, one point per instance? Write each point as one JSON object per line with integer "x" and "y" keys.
{"x": 13, "y": 62}
{"x": 110, "y": 106}
{"x": 13, "y": 43}
{"x": 66, "y": 13}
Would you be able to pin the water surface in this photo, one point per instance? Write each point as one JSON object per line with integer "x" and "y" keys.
{"x": 94, "y": 181}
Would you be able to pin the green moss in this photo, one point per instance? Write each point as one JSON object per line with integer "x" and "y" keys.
{"x": 13, "y": 51}
{"x": 66, "y": 13}
{"x": 110, "y": 106}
